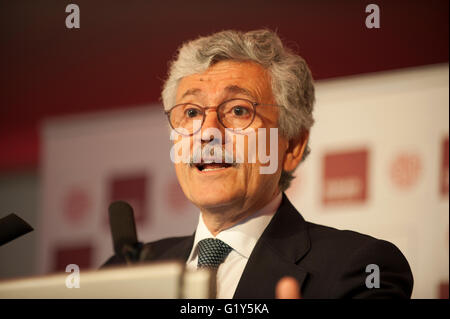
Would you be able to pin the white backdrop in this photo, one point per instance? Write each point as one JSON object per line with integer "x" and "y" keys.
{"x": 377, "y": 166}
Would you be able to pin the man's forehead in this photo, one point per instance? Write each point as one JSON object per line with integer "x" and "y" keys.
{"x": 232, "y": 68}
{"x": 231, "y": 77}
{"x": 231, "y": 89}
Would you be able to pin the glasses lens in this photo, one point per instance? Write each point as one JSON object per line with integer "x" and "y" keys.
{"x": 236, "y": 114}
{"x": 183, "y": 117}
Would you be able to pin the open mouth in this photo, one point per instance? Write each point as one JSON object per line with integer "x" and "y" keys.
{"x": 206, "y": 167}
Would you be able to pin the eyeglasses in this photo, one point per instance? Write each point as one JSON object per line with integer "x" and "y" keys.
{"x": 237, "y": 114}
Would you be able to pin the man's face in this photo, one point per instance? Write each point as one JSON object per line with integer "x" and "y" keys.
{"x": 239, "y": 187}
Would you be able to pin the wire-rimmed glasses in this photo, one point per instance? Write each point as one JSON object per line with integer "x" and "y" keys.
{"x": 237, "y": 114}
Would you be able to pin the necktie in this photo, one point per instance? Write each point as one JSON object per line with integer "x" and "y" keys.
{"x": 212, "y": 252}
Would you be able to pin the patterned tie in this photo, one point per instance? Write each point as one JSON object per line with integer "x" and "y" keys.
{"x": 212, "y": 252}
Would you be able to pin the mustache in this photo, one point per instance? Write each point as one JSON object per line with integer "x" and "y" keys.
{"x": 215, "y": 154}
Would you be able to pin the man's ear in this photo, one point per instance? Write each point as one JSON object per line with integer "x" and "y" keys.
{"x": 295, "y": 150}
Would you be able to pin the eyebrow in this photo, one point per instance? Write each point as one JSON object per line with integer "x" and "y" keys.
{"x": 239, "y": 90}
{"x": 191, "y": 92}
{"x": 233, "y": 89}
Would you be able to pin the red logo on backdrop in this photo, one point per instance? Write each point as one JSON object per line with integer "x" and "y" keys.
{"x": 405, "y": 170}
{"x": 345, "y": 177}
{"x": 79, "y": 255}
{"x": 76, "y": 205}
{"x": 444, "y": 168}
{"x": 132, "y": 189}
{"x": 176, "y": 199}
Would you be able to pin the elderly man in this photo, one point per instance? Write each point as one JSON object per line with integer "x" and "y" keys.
{"x": 230, "y": 84}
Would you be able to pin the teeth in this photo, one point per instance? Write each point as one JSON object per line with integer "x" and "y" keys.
{"x": 212, "y": 169}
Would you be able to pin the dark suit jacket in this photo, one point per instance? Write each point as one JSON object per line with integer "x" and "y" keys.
{"x": 328, "y": 263}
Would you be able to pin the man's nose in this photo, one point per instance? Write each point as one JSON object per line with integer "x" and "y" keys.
{"x": 211, "y": 126}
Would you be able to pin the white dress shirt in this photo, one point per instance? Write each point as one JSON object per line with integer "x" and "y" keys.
{"x": 242, "y": 237}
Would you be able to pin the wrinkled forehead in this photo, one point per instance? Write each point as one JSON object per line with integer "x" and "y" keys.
{"x": 226, "y": 79}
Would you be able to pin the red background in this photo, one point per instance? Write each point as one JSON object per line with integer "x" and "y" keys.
{"x": 118, "y": 58}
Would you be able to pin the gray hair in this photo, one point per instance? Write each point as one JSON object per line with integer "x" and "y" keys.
{"x": 292, "y": 82}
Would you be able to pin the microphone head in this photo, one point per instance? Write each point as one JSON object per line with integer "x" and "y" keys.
{"x": 123, "y": 227}
{"x": 11, "y": 227}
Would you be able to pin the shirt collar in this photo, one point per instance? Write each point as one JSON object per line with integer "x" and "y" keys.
{"x": 243, "y": 236}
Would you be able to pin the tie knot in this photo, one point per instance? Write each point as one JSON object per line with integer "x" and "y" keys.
{"x": 212, "y": 252}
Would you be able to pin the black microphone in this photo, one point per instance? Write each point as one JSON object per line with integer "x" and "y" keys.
{"x": 123, "y": 231}
{"x": 11, "y": 227}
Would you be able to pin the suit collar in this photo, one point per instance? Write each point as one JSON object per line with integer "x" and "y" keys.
{"x": 284, "y": 242}
{"x": 242, "y": 236}
{"x": 180, "y": 250}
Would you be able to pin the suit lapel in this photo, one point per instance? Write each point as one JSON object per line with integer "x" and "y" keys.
{"x": 180, "y": 250}
{"x": 281, "y": 246}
